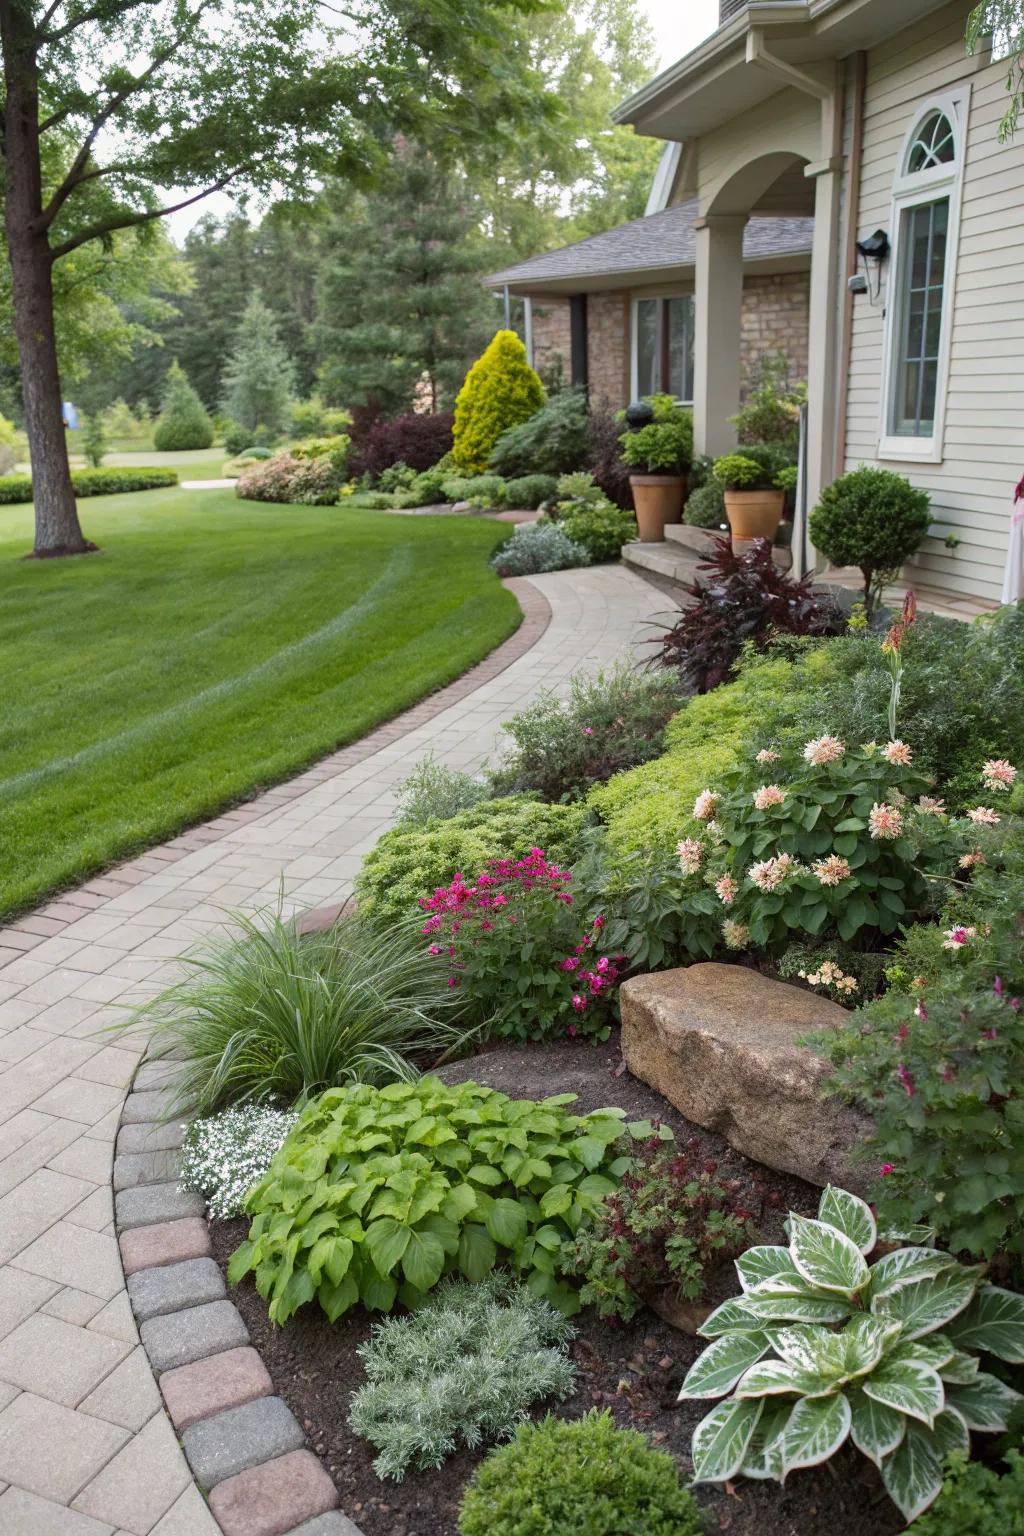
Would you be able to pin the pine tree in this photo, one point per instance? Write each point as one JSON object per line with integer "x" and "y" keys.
{"x": 183, "y": 422}
{"x": 401, "y": 306}
{"x": 259, "y": 378}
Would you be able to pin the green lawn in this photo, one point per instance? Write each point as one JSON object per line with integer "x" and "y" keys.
{"x": 213, "y": 646}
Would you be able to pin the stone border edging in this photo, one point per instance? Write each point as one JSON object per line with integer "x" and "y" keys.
{"x": 24, "y": 933}
{"x": 246, "y": 1450}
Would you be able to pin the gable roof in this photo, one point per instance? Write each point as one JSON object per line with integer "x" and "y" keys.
{"x": 653, "y": 245}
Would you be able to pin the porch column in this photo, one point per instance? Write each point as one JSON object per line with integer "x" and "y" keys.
{"x": 717, "y": 331}
{"x": 822, "y": 362}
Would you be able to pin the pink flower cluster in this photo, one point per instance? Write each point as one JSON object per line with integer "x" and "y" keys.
{"x": 824, "y": 749}
{"x": 998, "y": 774}
{"x": 767, "y": 796}
{"x": 885, "y": 821}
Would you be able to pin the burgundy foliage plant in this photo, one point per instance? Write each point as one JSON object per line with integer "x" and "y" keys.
{"x": 416, "y": 439}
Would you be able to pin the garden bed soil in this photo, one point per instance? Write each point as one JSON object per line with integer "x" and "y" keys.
{"x": 634, "y": 1370}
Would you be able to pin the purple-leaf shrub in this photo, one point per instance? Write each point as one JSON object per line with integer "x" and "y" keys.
{"x": 416, "y": 439}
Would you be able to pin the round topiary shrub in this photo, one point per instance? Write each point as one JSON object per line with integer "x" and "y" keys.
{"x": 579, "y": 1478}
{"x": 873, "y": 519}
{"x": 501, "y": 390}
{"x": 183, "y": 420}
{"x": 705, "y": 507}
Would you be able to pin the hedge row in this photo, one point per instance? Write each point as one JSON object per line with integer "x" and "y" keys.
{"x": 92, "y": 482}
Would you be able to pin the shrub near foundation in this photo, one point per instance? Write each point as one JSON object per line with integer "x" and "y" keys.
{"x": 501, "y": 390}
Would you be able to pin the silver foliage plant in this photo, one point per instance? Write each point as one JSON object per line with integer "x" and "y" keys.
{"x": 536, "y": 547}
{"x": 225, "y": 1156}
{"x": 822, "y": 1347}
{"x": 464, "y": 1368}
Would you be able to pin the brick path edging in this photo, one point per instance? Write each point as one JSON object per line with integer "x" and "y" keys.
{"x": 24, "y": 933}
{"x": 247, "y": 1451}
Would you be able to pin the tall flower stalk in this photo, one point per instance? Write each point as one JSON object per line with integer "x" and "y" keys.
{"x": 892, "y": 650}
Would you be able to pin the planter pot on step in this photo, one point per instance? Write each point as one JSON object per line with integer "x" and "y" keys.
{"x": 754, "y": 514}
{"x": 658, "y": 499}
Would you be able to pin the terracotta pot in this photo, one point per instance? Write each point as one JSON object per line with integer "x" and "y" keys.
{"x": 755, "y": 514}
{"x": 666, "y": 1303}
{"x": 658, "y": 499}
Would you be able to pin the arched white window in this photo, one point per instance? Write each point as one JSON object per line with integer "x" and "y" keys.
{"x": 919, "y": 312}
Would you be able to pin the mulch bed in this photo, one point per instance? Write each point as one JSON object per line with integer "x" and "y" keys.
{"x": 634, "y": 1370}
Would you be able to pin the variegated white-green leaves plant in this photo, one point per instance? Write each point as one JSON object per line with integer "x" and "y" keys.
{"x": 822, "y": 1346}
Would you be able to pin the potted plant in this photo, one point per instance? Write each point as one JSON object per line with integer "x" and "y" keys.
{"x": 659, "y": 456}
{"x": 755, "y": 496}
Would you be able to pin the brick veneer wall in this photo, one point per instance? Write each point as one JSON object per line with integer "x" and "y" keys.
{"x": 776, "y": 319}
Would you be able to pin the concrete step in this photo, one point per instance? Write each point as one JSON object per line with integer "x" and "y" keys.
{"x": 668, "y": 565}
{"x": 697, "y": 540}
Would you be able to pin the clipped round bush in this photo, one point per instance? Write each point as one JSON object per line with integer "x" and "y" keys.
{"x": 536, "y": 547}
{"x": 705, "y": 508}
{"x": 527, "y": 492}
{"x": 578, "y": 1478}
{"x": 183, "y": 420}
{"x": 488, "y": 490}
{"x": 501, "y": 390}
{"x": 601, "y": 530}
{"x": 873, "y": 519}
{"x": 551, "y": 442}
{"x": 408, "y": 864}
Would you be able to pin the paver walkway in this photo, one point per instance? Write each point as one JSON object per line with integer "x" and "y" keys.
{"x": 85, "y": 1447}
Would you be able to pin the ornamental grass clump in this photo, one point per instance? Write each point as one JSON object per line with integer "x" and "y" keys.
{"x": 461, "y": 1370}
{"x": 268, "y": 1014}
{"x": 377, "y": 1193}
{"x": 524, "y": 962}
{"x": 578, "y": 1478}
{"x": 225, "y": 1156}
{"x": 822, "y": 1347}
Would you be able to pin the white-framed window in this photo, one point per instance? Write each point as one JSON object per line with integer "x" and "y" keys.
{"x": 662, "y": 347}
{"x": 922, "y": 279}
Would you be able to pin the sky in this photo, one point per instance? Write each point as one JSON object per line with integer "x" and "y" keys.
{"x": 679, "y": 25}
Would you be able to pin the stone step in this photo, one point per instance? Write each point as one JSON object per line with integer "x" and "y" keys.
{"x": 696, "y": 540}
{"x": 669, "y": 565}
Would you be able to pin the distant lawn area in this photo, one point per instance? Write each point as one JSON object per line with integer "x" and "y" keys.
{"x": 212, "y": 647}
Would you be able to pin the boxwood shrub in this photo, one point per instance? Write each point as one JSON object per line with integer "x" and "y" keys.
{"x": 408, "y": 864}
{"x": 92, "y": 482}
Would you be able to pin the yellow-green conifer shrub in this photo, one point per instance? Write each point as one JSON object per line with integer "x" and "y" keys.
{"x": 500, "y": 391}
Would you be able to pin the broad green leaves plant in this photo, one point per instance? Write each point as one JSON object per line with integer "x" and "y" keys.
{"x": 377, "y": 1193}
{"x": 823, "y": 1347}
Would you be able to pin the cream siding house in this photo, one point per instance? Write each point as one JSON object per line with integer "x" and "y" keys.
{"x": 870, "y": 117}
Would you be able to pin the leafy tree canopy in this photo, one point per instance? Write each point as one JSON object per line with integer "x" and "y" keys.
{"x": 1003, "y": 21}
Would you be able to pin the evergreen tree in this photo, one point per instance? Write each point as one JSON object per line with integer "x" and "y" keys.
{"x": 400, "y": 300}
{"x": 183, "y": 422}
{"x": 258, "y": 379}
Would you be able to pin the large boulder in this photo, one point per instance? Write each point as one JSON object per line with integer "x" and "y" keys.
{"x": 721, "y": 1043}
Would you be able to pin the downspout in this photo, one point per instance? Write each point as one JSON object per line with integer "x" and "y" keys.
{"x": 857, "y": 86}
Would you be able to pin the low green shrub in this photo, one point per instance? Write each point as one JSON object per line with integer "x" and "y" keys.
{"x": 239, "y": 440}
{"x": 312, "y": 482}
{"x": 92, "y": 482}
{"x": 427, "y": 489}
{"x": 874, "y": 519}
{"x": 311, "y": 418}
{"x": 267, "y": 1014}
{"x": 651, "y": 917}
{"x": 551, "y": 441}
{"x": 609, "y": 722}
{"x": 978, "y": 1501}
{"x": 578, "y": 1478}
{"x": 434, "y": 792}
{"x": 225, "y": 1156}
{"x": 397, "y": 477}
{"x": 488, "y": 490}
{"x": 883, "y": 1354}
{"x": 366, "y": 501}
{"x": 377, "y": 1193}
{"x": 664, "y": 447}
{"x": 183, "y": 421}
{"x": 527, "y": 492}
{"x": 405, "y": 865}
{"x": 462, "y": 1370}
{"x": 705, "y": 507}
{"x": 538, "y": 547}
{"x": 939, "y": 1059}
{"x": 601, "y": 531}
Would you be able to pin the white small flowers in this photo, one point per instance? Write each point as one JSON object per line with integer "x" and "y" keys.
{"x": 824, "y": 749}
{"x": 690, "y": 852}
{"x": 885, "y": 822}
{"x": 831, "y": 977}
{"x": 999, "y": 775}
{"x": 226, "y": 1155}
{"x": 983, "y": 816}
{"x": 767, "y": 796}
{"x": 898, "y": 753}
{"x": 831, "y": 871}
{"x": 705, "y": 805}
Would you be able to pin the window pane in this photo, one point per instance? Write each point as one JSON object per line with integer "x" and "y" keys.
{"x": 680, "y": 348}
{"x": 934, "y": 144}
{"x": 647, "y": 372}
{"x": 920, "y": 287}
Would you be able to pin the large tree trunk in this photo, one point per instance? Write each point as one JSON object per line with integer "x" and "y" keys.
{"x": 58, "y": 531}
